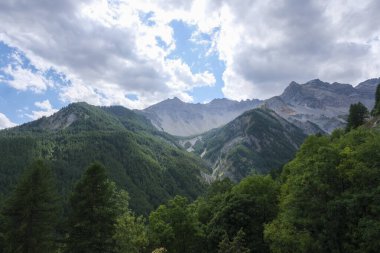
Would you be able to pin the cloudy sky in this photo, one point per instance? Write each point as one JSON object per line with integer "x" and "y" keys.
{"x": 137, "y": 53}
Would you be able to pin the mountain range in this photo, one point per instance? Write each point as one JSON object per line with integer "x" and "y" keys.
{"x": 314, "y": 106}
{"x": 175, "y": 147}
{"x": 323, "y": 104}
{"x": 185, "y": 119}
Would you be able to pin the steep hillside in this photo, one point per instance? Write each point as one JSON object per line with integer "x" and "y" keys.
{"x": 373, "y": 123}
{"x": 185, "y": 119}
{"x": 257, "y": 141}
{"x": 139, "y": 158}
{"x": 321, "y": 103}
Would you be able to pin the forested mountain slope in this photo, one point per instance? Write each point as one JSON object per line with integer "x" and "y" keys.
{"x": 257, "y": 141}
{"x": 139, "y": 158}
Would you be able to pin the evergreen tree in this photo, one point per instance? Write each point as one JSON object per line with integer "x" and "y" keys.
{"x": 237, "y": 245}
{"x": 93, "y": 213}
{"x": 30, "y": 214}
{"x": 357, "y": 115}
{"x": 376, "y": 109}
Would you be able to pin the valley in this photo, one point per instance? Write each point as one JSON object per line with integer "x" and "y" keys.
{"x": 262, "y": 169}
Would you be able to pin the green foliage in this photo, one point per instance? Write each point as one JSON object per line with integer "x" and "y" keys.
{"x": 326, "y": 200}
{"x": 93, "y": 213}
{"x": 130, "y": 231}
{"x": 31, "y": 212}
{"x": 357, "y": 116}
{"x": 225, "y": 211}
{"x": 237, "y": 245}
{"x": 258, "y": 141}
{"x": 376, "y": 109}
{"x": 208, "y": 205}
{"x": 175, "y": 227}
{"x": 330, "y": 197}
{"x": 247, "y": 207}
{"x": 131, "y": 234}
{"x": 138, "y": 158}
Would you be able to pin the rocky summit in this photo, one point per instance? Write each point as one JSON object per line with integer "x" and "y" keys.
{"x": 315, "y": 107}
{"x": 317, "y": 104}
{"x": 185, "y": 119}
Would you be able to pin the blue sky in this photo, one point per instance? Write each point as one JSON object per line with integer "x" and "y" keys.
{"x": 197, "y": 57}
{"x": 20, "y": 103}
{"x": 138, "y": 53}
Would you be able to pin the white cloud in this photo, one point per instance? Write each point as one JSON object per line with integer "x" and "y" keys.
{"x": 24, "y": 79}
{"x": 108, "y": 52}
{"x": 46, "y": 110}
{"x": 5, "y": 122}
{"x": 103, "y": 47}
{"x": 266, "y": 44}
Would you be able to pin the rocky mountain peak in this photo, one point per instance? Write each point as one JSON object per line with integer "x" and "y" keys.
{"x": 76, "y": 116}
{"x": 315, "y": 105}
{"x": 220, "y": 100}
{"x": 368, "y": 88}
{"x": 370, "y": 83}
{"x": 316, "y": 82}
{"x": 294, "y": 89}
{"x": 176, "y": 100}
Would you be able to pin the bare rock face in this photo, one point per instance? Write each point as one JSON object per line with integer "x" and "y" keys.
{"x": 185, "y": 119}
{"x": 318, "y": 104}
{"x": 315, "y": 106}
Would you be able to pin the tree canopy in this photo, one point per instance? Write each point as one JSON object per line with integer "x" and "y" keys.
{"x": 93, "y": 213}
{"x": 329, "y": 200}
{"x": 357, "y": 116}
{"x": 376, "y": 109}
{"x": 30, "y": 214}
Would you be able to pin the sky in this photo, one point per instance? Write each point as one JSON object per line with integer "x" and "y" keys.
{"x": 138, "y": 53}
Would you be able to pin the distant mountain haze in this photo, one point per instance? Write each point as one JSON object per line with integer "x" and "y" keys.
{"x": 315, "y": 106}
{"x": 185, "y": 119}
{"x": 323, "y": 104}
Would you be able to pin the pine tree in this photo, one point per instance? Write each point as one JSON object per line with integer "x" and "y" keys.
{"x": 376, "y": 109}
{"x": 93, "y": 213}
{"x": 30, "y": 214}
{"x": 357, "y": 116}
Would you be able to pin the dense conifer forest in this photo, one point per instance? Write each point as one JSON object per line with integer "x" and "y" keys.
{"x": 325, "y": 200}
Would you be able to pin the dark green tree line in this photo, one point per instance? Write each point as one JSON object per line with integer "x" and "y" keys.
{"x": 376, "y": 109}
{"x": 93, "y": 213}
{"x": 329, "y": 200}
{"x": 357, "y": 115}
{"x": 30, "y": 214}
